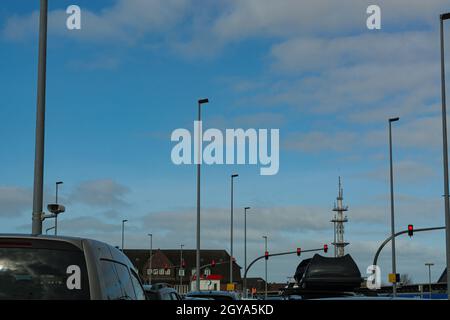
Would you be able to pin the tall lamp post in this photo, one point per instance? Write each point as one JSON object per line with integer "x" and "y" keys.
{"x": 40, "y": 123}
{"x": 150, "y": 260}
{"x": 199, "y": 157}
{"x": 394, "y": 267}
{"x": 265, "y": 290}
{"x": 181, "y": 265}
{"x": 245, "y": 248}
{"x": 123, "y": 233}
{"x": 231, "y": 227}
{"x": 444, "y": 17}
{"x": 56, "y": 201}
{"x": 429, "y": 265}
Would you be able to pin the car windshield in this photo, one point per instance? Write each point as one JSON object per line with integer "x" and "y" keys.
{"x": 42, "y": 270}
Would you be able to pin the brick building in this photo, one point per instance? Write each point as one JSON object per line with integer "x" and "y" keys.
{"x": 166, "y": 265}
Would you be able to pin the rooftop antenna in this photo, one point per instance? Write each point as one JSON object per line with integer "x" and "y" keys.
{"x": 338, "y": 223}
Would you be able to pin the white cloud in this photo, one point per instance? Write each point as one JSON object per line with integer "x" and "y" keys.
{"x": 99, "y": 193}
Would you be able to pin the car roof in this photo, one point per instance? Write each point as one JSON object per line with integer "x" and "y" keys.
{"x": 78, "y": 242}
{"x": 102, "y": 249}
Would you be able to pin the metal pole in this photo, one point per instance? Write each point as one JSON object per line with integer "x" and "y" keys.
{"x": 123, "y": 233}
{"x": 245, "y": 249}
{"x": 56, "y": 225}
{"x": 197, "y": 257}
{"x": 181, "y": 265}
{"x": 429, "y": 276}
{"x": 40, "y": 123}
{"x": 394, "y": 267}
{"x": 151, "y": 257}
{"x": 265, "y": 238}
{"x": 445, "y": 154}
{"x": 231, "y": 233}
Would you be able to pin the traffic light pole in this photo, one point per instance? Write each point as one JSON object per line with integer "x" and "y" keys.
{"x": 272, "y": 255}
{"x": 375, "y": 259}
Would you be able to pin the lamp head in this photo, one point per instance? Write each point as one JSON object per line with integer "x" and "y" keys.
{"x": 202, "y": 101}
{"x": 394, "y": 119}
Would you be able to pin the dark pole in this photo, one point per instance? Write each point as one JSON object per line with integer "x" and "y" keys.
{"x": 265, "y": 290}
{"x": 445, "y": 153}
{"x": 150, "y": 261}
{"x": 123, "y": 233}
{"x": 181, "y": 265}
{"x": 56, "y": 201}
{"x": 394, "y": 267}
{"x": 197, "y": 255}
{"x": 40, "y": 123}
{"x": 245, "y": 248}
{"x": 231, "y": 229}
{"x": 429, "y": 275}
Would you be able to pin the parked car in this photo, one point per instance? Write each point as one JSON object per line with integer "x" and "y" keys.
{"x": 65, "y": 268}
{"x": 161, "y": 292}
{"x": 215, "y": 295}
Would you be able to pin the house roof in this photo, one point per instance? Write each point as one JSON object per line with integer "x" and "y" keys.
{"x": 140, "y": 258}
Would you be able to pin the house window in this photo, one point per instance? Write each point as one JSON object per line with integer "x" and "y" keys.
{"x": 207, "y": 272}
{"x": 168, "y": 272}
{"x": 161, "y": 272}
{"x": 155, "y": 272}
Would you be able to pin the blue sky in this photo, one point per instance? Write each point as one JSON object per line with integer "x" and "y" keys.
{"x": 118, "y": 87}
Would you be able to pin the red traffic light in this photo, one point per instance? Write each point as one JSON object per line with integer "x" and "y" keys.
{"x": 410, "y": 230}
{"x": 213, "y": 263}
{"x": 325, "y": 248}
{"x": 299, "y": 251}
{"x": 183, "y": 263}
{"x": 266, "y": 255}
{"x": 166, "y": 267}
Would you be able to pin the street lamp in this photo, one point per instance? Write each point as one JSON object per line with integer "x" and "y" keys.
{"x": 181, "y": 265}
{"x": 265, "y": 240}
{"x": 150, "y": 260}
{"x": 394, "y": 269}
{"x": 123, "y": 233}
{"x": 245, "y": 248}
{"x": 231, "y": 227}
{"x": 56, "y": 201}
{"x": 443, "y": 17}
{"x": 199, "y": 156}
{"x": 429, "y": 274}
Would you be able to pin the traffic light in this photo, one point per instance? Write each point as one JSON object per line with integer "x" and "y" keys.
{"x": 183, "y": 264}
{"x": 266, "y": 255}
{"x": 166, "y": 267}
{"x": 299, "y": 251}
{"x": 325, "y": 248}
{"x": 410, "y": 230}
{"x": 213, "y": 263}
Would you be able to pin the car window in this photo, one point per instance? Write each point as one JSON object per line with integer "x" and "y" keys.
{"x": 42, "y": 269}
{"x": 110, "y": 280}
{"x": 125, "y": 281}
{"x": 174, "y": 296}
{"x": 140, "y": 294}
{"x": 166, "y": 296}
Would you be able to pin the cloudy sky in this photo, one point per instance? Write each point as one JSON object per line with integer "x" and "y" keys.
{"x": 118, "y": 87}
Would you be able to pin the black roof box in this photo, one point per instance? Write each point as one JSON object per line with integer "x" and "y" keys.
{"x": 322, "y": 273}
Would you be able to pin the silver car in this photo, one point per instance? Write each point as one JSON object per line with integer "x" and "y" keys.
{"x": 65, "y": 268}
